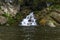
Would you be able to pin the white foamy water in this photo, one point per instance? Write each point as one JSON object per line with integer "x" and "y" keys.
{"x": 29, "y": 20}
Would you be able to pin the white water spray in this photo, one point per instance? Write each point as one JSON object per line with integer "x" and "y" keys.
{"x": 29, "y": 20}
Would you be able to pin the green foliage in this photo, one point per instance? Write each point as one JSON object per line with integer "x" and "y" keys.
{"x": 50, "y": 0}
{"x": 6, "y": 15}
{"x": 9, "y": 18}
{"x": 55, "y": 1}
{"x": 57, "y": 6}
{"x": 21, "y": 1}
{"x": 35, "y": 2}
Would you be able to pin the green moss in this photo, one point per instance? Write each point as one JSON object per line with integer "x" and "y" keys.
{"x": 57, "y": 6}
{"x": 21, "y": 1}
{"x": 9, "y": 18}
{"x": 11, "y": 21}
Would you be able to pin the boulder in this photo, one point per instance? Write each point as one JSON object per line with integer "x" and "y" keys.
{"x": 3, "y": 20}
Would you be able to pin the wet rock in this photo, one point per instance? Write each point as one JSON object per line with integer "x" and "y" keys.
{"x": 47, "y": 21}
{"x": 51, "y": 23}
{"x": 55, "y": 16}
{"x": 7, "y": 25}
{"x": 10, "y": 9}
{"x": 1, "y": 12}
{"x": 4, "y": 9}
{"x": 3, "y": 20}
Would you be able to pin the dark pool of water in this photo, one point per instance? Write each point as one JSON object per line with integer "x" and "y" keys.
{"x": 29, "y": 33}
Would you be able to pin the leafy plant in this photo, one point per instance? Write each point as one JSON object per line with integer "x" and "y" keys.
{"x": 9, "y": 18}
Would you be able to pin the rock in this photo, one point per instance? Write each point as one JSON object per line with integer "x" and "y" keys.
{"x": 47, "y": 21}
{"x": 3, "y": 20}
{"x": 51, "y": 24}
{"x": 13, "y": 9}
{"x": 4, "y": 9}
{"x": 10, "y": 9}
{"x": 9, "y": 1}
{"x": 7, "y": 24}
{"x": 43, "y": 21}
{"x": 1, "y": 12}
{"x": 56, "y": 16}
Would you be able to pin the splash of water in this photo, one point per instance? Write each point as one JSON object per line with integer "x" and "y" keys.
{"x": 29, "y": 20}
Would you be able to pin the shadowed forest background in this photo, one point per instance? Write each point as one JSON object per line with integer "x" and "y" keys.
{"x": 47, "y": 12}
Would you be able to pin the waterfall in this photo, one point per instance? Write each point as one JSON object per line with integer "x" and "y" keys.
{"x": 29, "y": 20}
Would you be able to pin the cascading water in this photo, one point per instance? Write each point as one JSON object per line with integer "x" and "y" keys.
{"x": 29, "y": 20}
{"x": 28, "y": 30}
